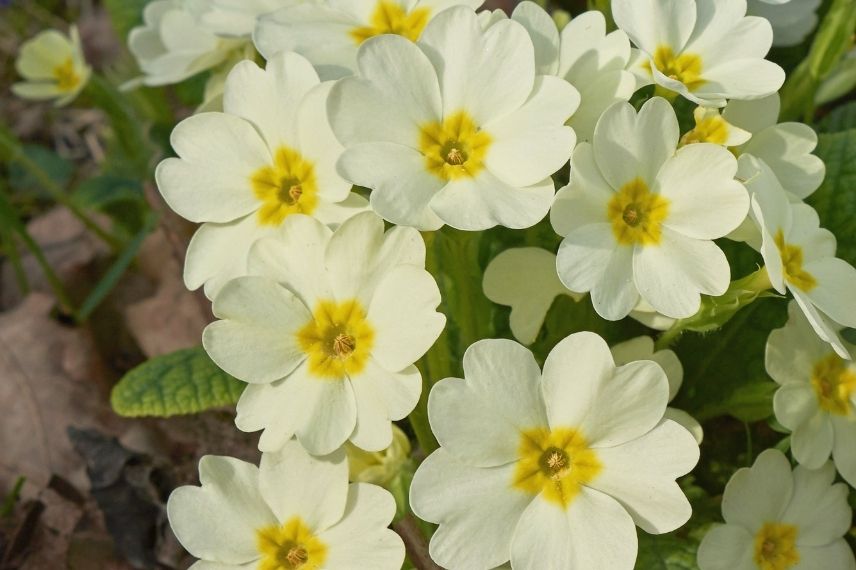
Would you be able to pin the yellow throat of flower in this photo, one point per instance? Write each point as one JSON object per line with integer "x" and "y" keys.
{"x": 292, "y": 546}
{"x": 288, "y": 186}
{"x": 390, "y": 17}
{"x": 684, "y": 67}
{"x": 67, "y": 78}
{"x": 637, "y": 214}
{"x": 555, "y": 464}
{"x": 792, "y": 264}
{"x": 834, "y": 382}
{"x": 454, "y": 148}
{"x": 338, "y": 340}
{"x": 775, "y": 547}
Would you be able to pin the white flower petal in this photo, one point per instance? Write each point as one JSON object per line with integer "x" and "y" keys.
{"x": 524, "y": 279}
{"x": 835, "y": 556}
{"x": 574, "y": 372}
{"x": 628, "y": 145}
{"x": 835, "y": 293}
{"x": 758, "y": 494}
{"x": 295, "y": 258}
{"x": 361, "y": 541}
{"x": 641, "y": 473}
{"x": 218, "y": 253}
{"x": 256, "y": 340}
{"x": 403, "y": 312}
{"x": 671, "y": 275}
{"x": 727, "y": 547}
{"x": 479, "y": 420}
{"x": 486, "y": 201}
{"x": 746, "y": 78}
{"x": 269, "y": 98}
{"x": 818, "y": 508}
{"x": 705, "y": 202}
{"x": 651, "y": 23}
{"x": 544, "y": 34}
{"x": 843, "y": 451}
{"x": 315, "y": 488}
{"x": 795, "y": 404}
{"x": 531, "y": 143}
{"x": 477, "y": 510}
{"x": 211, "y": 181}
{"x": 594, "y": 532}
{"x": 584, "y": 200}
{"x": 402, "y": 185}
{"x": 218, "y": 521}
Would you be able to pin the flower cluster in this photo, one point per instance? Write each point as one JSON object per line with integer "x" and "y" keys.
{"x": 449, "y": 117}
{"x": 341, "y": 136}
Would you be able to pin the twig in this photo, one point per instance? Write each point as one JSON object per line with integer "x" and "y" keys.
{"x": 415, "y": 543}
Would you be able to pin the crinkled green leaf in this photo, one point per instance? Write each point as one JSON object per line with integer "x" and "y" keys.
{"x": 840, "y": 119}
{"x": 835, "y": 200}
{"x": 724, "y": 372}
{"x": 183, "y": 382}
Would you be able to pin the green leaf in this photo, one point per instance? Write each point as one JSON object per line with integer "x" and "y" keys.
{"x": 666, "y": 552}
{"x": 835, "y": 200}
{"x": 183, "y": 382}
{"x": 125, "y": 14}
{"x": 840, "y": 119}
{"x": 724, "y": 372}
{"x": 119, "y": 197}
{"x": 57, "y": 168}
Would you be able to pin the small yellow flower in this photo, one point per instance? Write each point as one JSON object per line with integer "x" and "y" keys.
{"x": 53, "y": 67}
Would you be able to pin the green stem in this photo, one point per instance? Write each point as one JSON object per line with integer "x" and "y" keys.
{"x": 8, "y": 214}
{"x": 11, "y": 250}
{"x": 125, "y": 123}
{"x": 11, "y": 148}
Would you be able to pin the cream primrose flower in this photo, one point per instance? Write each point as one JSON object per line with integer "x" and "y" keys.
{"x": 800, "y": 257}
{"x": 551, "y": 470}
{"x": 585, "y": 56}
{"x": 817, "y": 397}
{"x": 706, "y": 50}
{"x": 172, "y": 44}
{"x": 776, "y": 519}
{"x": 329, "y": 33}
{"x": 325, "y": 329}
{"x": 293, "y": 512}
{"x": 53, "y": 66}
{"x": 642, "y": 348}
{"x": 792, "y": 20}
{"x": 379, "y": 467}
{"x": 244, "y": 172}
{"x": 639, "y": 219}
{"x": 456, "y": 129}
{"x": 787, "y": 148}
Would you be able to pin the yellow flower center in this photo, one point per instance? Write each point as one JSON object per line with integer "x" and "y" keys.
{"x": 834, "y": 381}
{"x": 67, "y": 78}
{"x": 712, "y": 129}
{"x": 455, "y": 148}
{"x": 389, "y": 17}
{"x": 792, "y": 264}
{"x": 288, "y": 186}
{"x": 775, "y": 547}
{"x": 685, "y": 67}
{"x": 637, "y": 214}
{"x": 291, "y": 546}
{"x": 338, "y": 340}
{"x": 554, "y": 463}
